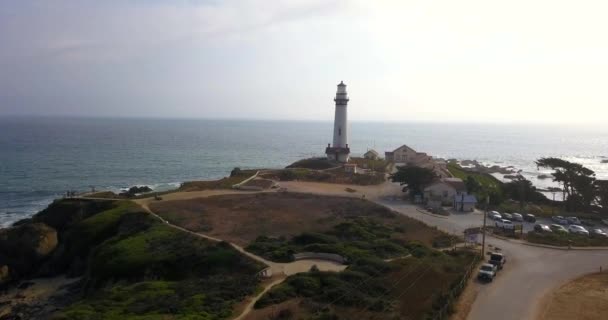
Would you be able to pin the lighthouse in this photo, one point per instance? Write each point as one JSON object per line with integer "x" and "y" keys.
{"x": 339, "y": 151}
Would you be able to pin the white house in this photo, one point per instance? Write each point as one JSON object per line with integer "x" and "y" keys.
{"x": 407, "y": 155}
{"x": 371, "y": 155}
{"x": 442, "y": 192}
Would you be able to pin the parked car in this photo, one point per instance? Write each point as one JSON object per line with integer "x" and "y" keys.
{"x": 517, "y": 217}
{"x": 599, "y": 233}
{"x": 487, "y": 272}
{"x": 506, "y": 216}
{"x": 576, "y": 229}
{"x": 558, "y": 228}
{"x": 497, "y": 259}
{"x": 573, "y": 220}
{"x": 496, "y": 217}
{"x": 504, "y": 224}
{"x": 559, "y": 219}
{"x": 529, "y": 217}
{"x": 605, "y": 221}
{"x": 542, "y": 228}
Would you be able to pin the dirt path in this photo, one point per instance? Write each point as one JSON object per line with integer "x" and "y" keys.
{"x": 282, "y": 270}
{"x": 249, "y": 307}
{"x": 585, "y": 298}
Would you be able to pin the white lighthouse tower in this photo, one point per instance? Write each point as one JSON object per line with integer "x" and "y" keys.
{"x": 339, "y": 151}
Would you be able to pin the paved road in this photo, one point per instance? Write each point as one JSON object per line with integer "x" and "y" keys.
{"x": 529, "y": 274}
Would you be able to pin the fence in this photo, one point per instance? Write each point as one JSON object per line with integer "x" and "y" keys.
{"x": 444, "y": 311}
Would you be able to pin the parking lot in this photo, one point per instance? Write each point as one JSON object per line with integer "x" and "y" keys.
{"x": 529, "y": 274}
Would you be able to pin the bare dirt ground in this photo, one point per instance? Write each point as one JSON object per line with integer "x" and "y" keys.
{"x": 37, "y": 292}
{"x": 241, "y": 218}
{"x": 585, "y": 298}
{"x": 463, "y": 305}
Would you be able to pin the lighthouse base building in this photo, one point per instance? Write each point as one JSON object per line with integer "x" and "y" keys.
{"x": 339, "y": 150}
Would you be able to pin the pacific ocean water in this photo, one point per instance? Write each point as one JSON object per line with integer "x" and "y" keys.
{"x": 41, "y": 158}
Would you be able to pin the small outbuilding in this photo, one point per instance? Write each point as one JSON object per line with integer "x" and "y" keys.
{"x": 444, "y": 190}
{"x": 465, "y": 202}
{"x": 371, "y": 154}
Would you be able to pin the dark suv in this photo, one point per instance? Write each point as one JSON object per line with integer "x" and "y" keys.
{"x": 529, "y": 217}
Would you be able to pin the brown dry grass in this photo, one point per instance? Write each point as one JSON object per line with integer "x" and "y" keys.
{"x": 585, "y": 298}
{"x": 241, "y": 218}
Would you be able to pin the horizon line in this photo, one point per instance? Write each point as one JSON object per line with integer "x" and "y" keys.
{"x": 143, "y": 117}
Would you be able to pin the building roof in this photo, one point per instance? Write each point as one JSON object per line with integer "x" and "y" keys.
{"x": 404, "y": 147}
{"x": 372, "y": 151}
{"x": 457, "y": 183}
{"x": 466, "y": 199}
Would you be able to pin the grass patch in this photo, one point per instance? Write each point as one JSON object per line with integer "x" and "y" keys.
{"x": 224, "y": 183}
{"x": 379, "y": 166}
{"x": 148, "y": 270}
{"x": 406, "y": 288}
{"x": 314, "y": 163}
{"x": 354, "y": 240}
{"x": 489, "y": 185}
{"x": 161, "y": 251}
{"x": 204, "y": 299}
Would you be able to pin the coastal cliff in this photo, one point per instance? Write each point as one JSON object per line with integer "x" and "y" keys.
{"x": 116, "y": 252}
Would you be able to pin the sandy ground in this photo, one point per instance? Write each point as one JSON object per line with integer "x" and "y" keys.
{"x": 386, "y": 189}
{"x": 585, "y": 298}
{"x": 463, "y": 305}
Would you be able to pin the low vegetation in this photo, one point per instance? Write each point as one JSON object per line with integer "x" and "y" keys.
{"x": 337, "y": 175}
{"x": 133, "y": 266}
{"x": 379, "y": 165}
{"x": 314, "y": 163}
{"x": 565, "y": 239}
{"x": 412, "y": 288}
{"x": 242, "y": 218}
{"x": 481, "y": 184}
{"x": 356, "y": 239}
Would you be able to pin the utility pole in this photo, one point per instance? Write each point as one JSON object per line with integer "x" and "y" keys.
{"x": 483, "y": 229}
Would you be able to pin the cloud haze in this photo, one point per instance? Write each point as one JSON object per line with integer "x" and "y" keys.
{"x": 532, "y": 61}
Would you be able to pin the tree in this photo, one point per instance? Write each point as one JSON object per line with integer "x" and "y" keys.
{"x": 578, "y": 181}
{"x": 415, "y": 179}
{"x": 522, "y": 190}
{"x": 601, "y": 194}
{"x": 473, "y": 186}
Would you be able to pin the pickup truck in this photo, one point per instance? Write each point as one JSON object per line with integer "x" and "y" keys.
{"x": 487, "y": 272}
{"x": 498, "y": 259}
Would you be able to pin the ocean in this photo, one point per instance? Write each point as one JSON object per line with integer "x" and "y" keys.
{"x": 41, "y": 158}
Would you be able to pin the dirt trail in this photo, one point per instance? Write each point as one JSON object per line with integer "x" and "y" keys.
{"x": 249, "y": 307}
{"x": 281, "y": 270}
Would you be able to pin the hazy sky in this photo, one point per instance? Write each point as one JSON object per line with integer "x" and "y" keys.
{"x": 500, "y": 61}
